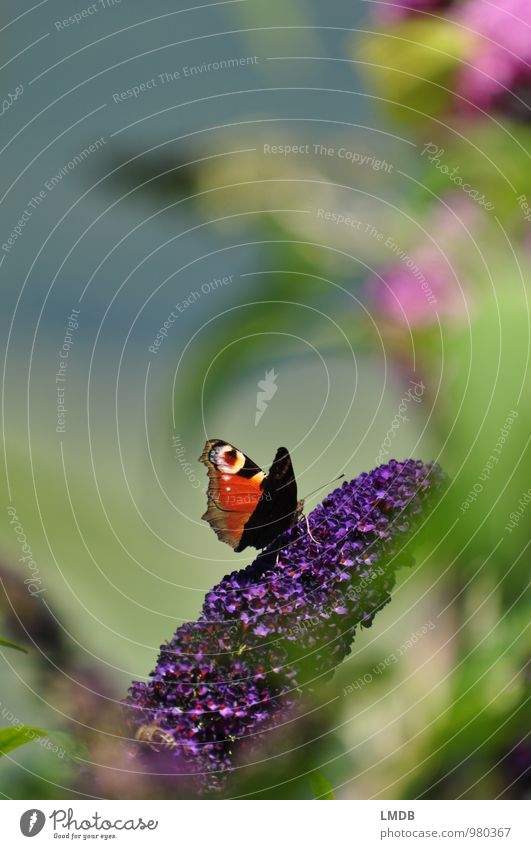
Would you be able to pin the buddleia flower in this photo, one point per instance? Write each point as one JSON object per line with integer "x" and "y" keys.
{"x": 280, "y": 625}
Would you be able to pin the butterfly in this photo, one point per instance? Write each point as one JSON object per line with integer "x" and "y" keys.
{"x": 246, "y": 506}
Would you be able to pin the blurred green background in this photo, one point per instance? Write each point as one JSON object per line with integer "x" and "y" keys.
{"x": 344, "y": 207}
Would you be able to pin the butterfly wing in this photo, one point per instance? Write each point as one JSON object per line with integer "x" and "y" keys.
{"x": 234, "y": 490}
{"x": 246, "y": 507}
{"x": 277, "y": 509}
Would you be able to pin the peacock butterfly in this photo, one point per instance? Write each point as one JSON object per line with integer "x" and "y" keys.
{"x": 246, "y": 506}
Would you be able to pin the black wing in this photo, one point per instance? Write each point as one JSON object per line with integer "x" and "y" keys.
{"x": 276, "y": 510}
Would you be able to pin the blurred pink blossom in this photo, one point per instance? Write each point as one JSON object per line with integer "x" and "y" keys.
{"x": 502, "y": 55}
{"x": 500, "y": 58}
{"x": 423, "y": 285}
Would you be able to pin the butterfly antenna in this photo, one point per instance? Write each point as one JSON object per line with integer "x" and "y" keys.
{"x": 319, "y": 488}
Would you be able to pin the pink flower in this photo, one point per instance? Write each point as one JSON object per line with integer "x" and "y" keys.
{"x": 502, "y": 54}
{"x": 499, "y": 60}
{"x": 423, "y": 284}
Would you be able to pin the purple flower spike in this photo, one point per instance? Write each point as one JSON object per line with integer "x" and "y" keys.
{"x": 280, "y": 624}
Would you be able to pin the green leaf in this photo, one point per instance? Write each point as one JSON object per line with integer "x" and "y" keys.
{"x": 10, "y": 645}
{"x": 13, "y": 738}
{"x": 321, "y": 787}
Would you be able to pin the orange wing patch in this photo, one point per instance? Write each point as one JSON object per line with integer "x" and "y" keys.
{"x": 234, "y": 489}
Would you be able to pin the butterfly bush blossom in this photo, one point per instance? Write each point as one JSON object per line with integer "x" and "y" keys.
{"x": 279, "y": 625}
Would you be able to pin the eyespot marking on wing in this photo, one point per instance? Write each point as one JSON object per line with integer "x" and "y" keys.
{"x": 227, "y": 459}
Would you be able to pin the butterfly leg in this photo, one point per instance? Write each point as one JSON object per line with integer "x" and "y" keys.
{"x": 309, "y": 530}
